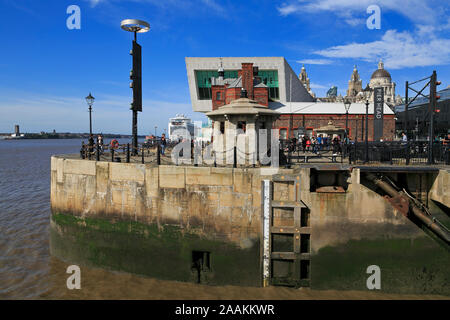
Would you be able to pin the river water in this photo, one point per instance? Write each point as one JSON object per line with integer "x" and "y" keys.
{"x": 27, "y": 271}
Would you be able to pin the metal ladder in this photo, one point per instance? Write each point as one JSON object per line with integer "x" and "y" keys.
{"x": 286, "y": 245}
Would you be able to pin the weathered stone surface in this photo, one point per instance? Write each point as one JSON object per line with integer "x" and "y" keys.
{"x": 126, "y": 172}
{"x": 79, "y": 167}
{"x": 171, "y": 177}
{"x": 440, "y": 190}
{"x": 217, "y": 204}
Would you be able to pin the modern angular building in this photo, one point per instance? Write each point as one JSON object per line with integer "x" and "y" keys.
{"x": 282, "y": 82}
{"x": 271, "y": 82}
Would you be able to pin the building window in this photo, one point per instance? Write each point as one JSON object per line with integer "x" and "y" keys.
{"x": 283, "y": 133}
{"x": 270, "y": 79}
{"x": 274, "y": 94}
{"x": 218, "y": 95}
{"x": 204, "y": 93}
{"x": 203, "y": 78}
{"x": 222, "y": 127}
{"x": 295, "y": 132}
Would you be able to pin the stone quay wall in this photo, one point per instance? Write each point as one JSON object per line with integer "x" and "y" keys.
{"x": 152, "y": 220}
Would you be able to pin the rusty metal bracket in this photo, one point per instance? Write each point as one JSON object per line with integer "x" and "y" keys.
{"x": 401, "y": 203}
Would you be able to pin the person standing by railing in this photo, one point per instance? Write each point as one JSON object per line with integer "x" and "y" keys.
{"x": 163, "y": 143}
{"x": 308, "y": 144}
{"x": 404, "y": 137}
{"x": 100, "y": 142}
{"x": 319, "y": 142}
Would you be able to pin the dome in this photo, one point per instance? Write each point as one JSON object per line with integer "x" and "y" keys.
{"x": 380, "y": 72}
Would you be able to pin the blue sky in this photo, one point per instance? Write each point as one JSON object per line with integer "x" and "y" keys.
{"x": 46, "y": 69}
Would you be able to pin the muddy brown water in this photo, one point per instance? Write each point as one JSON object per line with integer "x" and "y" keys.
{"x": 27, "y": 271}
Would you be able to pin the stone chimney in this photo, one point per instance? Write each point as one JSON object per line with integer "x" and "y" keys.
{"x": 247, "y": 78}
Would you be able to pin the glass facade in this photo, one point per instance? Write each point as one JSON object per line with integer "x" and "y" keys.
{"x": 203, "y": 78}
{"x": 270, "y": 79}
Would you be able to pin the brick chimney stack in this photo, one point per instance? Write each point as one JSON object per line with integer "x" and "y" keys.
{"x": 247, "y": 78}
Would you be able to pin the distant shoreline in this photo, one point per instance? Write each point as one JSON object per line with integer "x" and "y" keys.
{"x": 65, "y": 136}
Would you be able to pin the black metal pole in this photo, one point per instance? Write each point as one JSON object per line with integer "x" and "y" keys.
{"x": 405, "y": 125}
{"x": 346, "y": 130}
{"x": 135, "y": 138}
{"x": 90, "y": 119}
{"x": 346, "y": 125}
{"x": 431, "y": 108}
{"x": 158, "y": 154}
{"x": 362, "y": 128}
{"x": 356, "y": 129}
{"x": 367, "y": 132}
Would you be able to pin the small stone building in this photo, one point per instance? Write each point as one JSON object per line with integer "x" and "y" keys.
{"x": 238, "y": 124}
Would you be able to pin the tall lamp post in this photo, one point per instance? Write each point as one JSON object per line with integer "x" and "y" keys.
{"x": 347, "y": 104}
{"x": 90, "y": 101}
{"x": 156, "y": 127}
{"x": 366, "y": 134}
{"x": 136, "y": 26}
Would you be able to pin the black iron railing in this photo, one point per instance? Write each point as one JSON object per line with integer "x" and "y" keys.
{"x": 400, "y": 153}
{"x": 389, "y": 152}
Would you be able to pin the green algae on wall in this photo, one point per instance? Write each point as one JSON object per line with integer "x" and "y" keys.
{"x": 164, "y": 253}
{"x": 407, "y": 266}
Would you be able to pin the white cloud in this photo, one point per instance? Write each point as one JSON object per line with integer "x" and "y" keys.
{"x": 214, "y": 6}
{"x": 95, "y": 2}
{"x": 317, "y": 86}
{"x": 315, "y": 61}
{"x": 418, "y": 11}
{"x": 398, "y": 50}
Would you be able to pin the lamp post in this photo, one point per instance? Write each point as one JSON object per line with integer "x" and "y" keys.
{"x": 356, "y": 129}
{"x": 366, "y": 134}
{"x": 136, "y": 26}
{"x": 90, "y": 101}
{"x": 347, "y": 104}
{"x": 156, "y": 127}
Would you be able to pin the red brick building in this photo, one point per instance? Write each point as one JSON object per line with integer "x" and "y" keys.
{"x": 297, "y": 116}
{"x": 223, "y": 91}
{"x": 289, "y": 124}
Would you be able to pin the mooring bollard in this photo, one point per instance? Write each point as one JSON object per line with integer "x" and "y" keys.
{"x": 128, "y": 153}
{"x": 112, "y": 154}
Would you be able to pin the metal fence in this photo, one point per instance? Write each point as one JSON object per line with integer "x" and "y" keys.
{"x": 145, "y": 153}
{"x": 388, "y": 152}
{"x": 400, "y": 153}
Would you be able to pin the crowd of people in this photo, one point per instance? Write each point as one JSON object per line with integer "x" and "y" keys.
{"x": 315, "y": 144}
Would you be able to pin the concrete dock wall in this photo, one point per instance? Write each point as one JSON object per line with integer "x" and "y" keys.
{"x": 150, "y": 220}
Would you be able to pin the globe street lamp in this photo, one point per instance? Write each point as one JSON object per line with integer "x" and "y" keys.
{"x": 136, "y": 26}
{"x": 90, "y": 101}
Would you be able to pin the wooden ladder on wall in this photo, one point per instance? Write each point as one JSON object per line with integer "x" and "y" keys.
{"x": 286, "y": 233}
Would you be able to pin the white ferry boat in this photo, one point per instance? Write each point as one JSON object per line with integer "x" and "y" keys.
{"x": 179, "y": 126}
